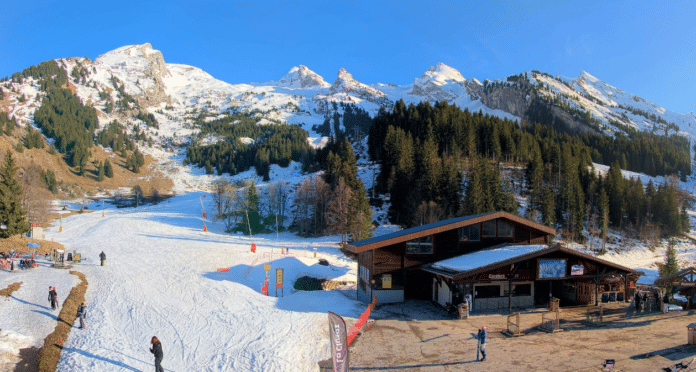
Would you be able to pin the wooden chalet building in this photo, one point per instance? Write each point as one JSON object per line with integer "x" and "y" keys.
{"x": 484, "y": 255}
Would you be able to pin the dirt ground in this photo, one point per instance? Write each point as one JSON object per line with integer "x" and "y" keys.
{"x": 416, "y": 336}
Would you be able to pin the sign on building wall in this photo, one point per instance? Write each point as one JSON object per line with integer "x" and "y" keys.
{"x": 552, "y": 269}
{"x": 386, "y": 281}
{"x": 576, "y": 270}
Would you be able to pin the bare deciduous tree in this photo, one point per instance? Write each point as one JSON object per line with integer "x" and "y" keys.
{"x": 304, "y": 197}
{"x": 427, "y": 212}
{"x": 220, "y": 189}
{"x": 35, "y": 198}
{"x": 337, "y": 213}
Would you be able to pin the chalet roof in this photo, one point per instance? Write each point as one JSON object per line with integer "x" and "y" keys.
{"x": 503, "y": 255}
{"x": 687, "y": 275}
{"x": 440, "y": 226}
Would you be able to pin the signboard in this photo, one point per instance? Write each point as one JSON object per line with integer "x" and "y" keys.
{"x": 267, "y": 267}
{"x": 552, "y": 269}
{"x": 339, "y": 342}
{"x": 279, "y": 278}
{"x": 684, "y": 284}
{"x": 496, "y": 277}
{"x": 386, "y": 281}
{"x": 576, "y": 270}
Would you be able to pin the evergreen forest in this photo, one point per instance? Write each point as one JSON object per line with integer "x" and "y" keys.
{"x": 425, "y": 151}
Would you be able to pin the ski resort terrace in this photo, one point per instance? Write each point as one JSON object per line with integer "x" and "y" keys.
{"x": 414, "y": 336}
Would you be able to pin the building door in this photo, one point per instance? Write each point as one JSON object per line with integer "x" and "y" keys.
{"x": 541, "y": 293}
{"x": 585, "y": 291}
{"x": 418, "y": 285}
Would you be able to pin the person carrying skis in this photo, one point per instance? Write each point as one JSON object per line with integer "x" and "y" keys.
{"x": 156, "y": 349}
{"x": 482, "y": 336}
{"x": 102, "y": 257}
{"x": 52, "y": 297}
{"x": 82, "y": 314}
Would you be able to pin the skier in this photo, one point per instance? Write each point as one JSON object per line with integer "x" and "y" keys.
{"x": 156, "y": 349}
{"x": 102, "y": 257}
{"x": 82, "y": 314}
{"x": 52, "y": 297}
{"x": 482, "y": 336}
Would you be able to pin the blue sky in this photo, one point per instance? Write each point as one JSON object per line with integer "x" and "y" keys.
{"x": 645, "y": 48}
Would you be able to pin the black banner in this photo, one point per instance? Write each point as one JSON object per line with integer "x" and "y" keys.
{"x": 339, "y": 342}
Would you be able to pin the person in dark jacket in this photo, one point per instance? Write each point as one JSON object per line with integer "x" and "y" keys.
{"x": 102, "y": 257}
{"x": 52, "y": 297}
{"x": 482, "y": 336}
{"x": 637, "y": 299}
{"x": 82, "y": 314}
{"x": 156, "y": 349}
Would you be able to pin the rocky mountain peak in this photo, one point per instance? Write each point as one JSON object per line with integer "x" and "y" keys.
{"x": 584, "y": 75}
{"x": 302, "y": 77}
{"x": 434, "y": 83}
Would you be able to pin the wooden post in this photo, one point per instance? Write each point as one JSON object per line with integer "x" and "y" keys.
{"x": 510, "y": 295}
{"x": 626, "y": 288}
{"x": 596, "y": 290}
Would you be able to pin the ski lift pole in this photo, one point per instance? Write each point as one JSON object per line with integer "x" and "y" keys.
{"x": 253, "y": 246}
{"x": 205, "y": 228}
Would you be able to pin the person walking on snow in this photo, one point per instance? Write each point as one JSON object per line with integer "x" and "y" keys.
{"x": 102, "y": 257}
{"x": 156, "y": 349}
{"x": 637, "y": 299}
{"x": 52, "y": 297}
{"x": 82, "y": 314}
{"x": 482, "y": 336}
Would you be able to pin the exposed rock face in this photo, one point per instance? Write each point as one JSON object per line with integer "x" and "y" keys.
{"x": 143, "y": 65}
{"x": 302, "y": 77}
{"x": 345, "y": 83}
{"x": 156, "y": 93}
{"x": 514, "y": 99}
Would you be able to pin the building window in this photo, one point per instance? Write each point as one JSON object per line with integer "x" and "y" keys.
{"x": 505, "y": 229}
{"x": 487, "y": 291}
{"x": 488, "y": 228}
{"x": 470, "y": 233}
{"x": 422, "y": 245}
{"x": 521, "y": 289}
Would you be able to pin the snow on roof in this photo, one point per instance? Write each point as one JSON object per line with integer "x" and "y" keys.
{"x": 476, "y": 260}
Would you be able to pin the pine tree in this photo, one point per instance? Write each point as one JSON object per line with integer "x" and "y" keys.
{"x": 101, "y": 173}
{"x": 548, "y": 216}
{"x": 251, "y": 218}
{"x": 604, "y": 216}
{"x": 670, "y": 266}
{"x": 685, "y": 219}
{"x": 12, "y": 214}
{"x": 359, "y": 215}
{"x": 474, "y": 194}
{"x": 108, "y": 170}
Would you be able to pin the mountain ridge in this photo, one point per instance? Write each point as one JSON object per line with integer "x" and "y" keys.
{"x": 175, "y": 94}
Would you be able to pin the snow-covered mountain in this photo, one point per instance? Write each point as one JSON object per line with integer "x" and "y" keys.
{"x": 177, "y": 95}
{"x": 302, "y": 77}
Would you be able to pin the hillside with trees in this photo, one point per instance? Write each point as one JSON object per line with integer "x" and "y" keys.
{"x": 424, "y": 151}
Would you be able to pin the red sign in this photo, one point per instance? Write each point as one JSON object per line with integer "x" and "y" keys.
{"x": 253, "y": 247}
{"x": 355, "y": 328}
{"x": 264, "y": 289}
